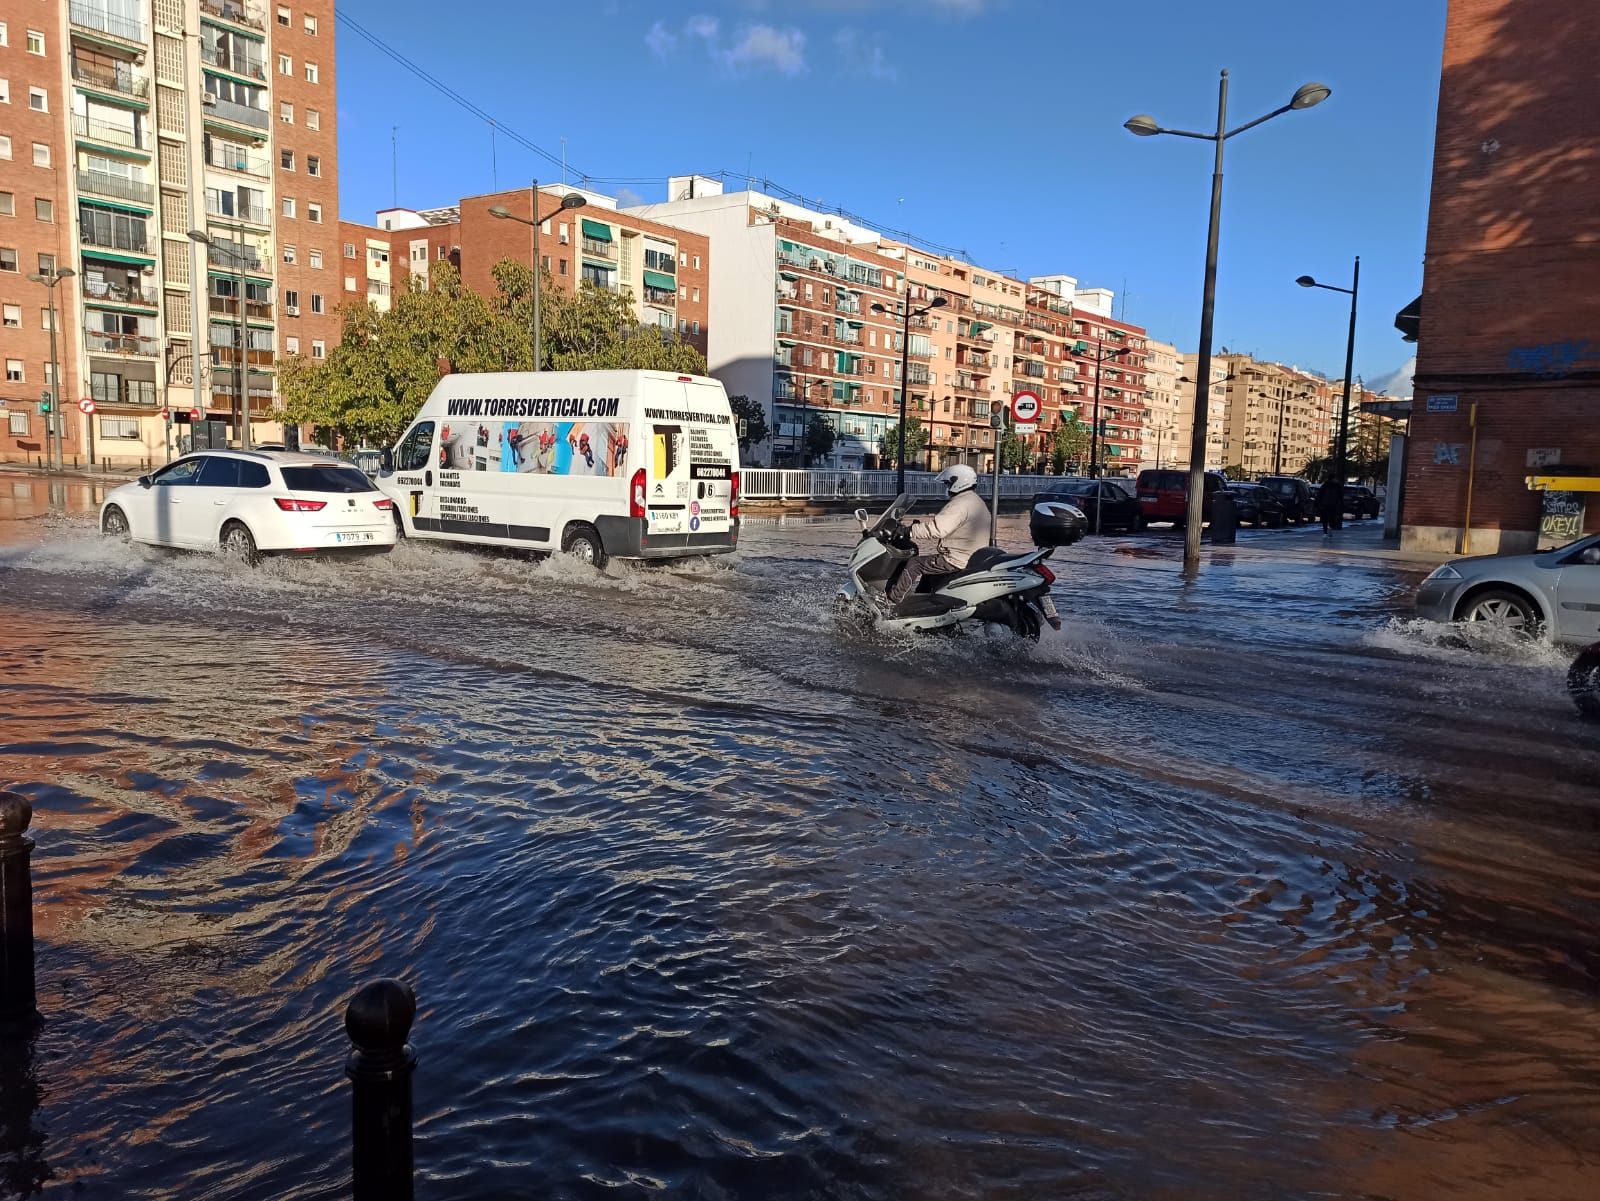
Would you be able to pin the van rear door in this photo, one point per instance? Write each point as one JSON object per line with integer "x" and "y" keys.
{"x": 690, "y": 459}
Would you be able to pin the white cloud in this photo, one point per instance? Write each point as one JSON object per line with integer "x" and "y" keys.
{"x": 783, "y": 50}
{"x": 627, "y": 198}
{"x": 863, "y": 55}
{"x": 661, "y": 40}
{"x": 702, "y": 26}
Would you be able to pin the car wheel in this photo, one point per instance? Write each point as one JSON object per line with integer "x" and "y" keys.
{"x": 1583, "y": 682}
{"x": 115, "y": 524}
{"x": 239, "y": 544}
{"x": 583, "y": 543}
{"x": 1503, "y": 609}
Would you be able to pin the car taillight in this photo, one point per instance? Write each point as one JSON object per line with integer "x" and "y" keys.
{"x": 733, "y": 503}
{"x": 636, "y": 495}
{"x": 289, "y": 505}
{"x": 385, "y": 503}
{"x": 1049, "y": 576}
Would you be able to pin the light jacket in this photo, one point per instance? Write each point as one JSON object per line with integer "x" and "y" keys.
{"x": 957, "y": 530}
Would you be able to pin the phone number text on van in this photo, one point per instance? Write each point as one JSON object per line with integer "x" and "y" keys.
{"x": 523, "y": 406}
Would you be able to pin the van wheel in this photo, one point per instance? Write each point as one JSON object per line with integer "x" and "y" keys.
{"x": 583, "y": 543}
{"x": 399, "y": 524}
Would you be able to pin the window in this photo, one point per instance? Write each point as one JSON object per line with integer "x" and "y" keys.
{"x": 286, "y": 112}
{"x": 697, "y": 264}
{"x": 120, "y": 427}
{"x": 44, "y": 210}
{"x": 316, "y": 259}
{"x": 283, "y": 16}
{"x": 694, "y": 327}
{"x": 313, "y": 119}
{"x": 311, "y": 72}
{"x": 47, "y": 264}
{"x": 38, "y": 100}
{"x": 291, "y": 298}
{"x": 8, "y": 204}
{"x": 288, "y": 254}
{"x": 5, "y": 147}
{"x": 311, "y": 27}
{"x": 349, "y": 283}
{"x": 180, "y": 473}
{"x": 14, "y": 370}
{"x": 316, "y": 302}
{"x": 349, "y": 250}
{"x": 35, "y": 42}
{"x": 291, "y": 345}
{"x": 563, "y": 270}
{"x": 46, "y": 319}
{"x": 697, "y": 295}
{"x": 285, "y": 65}
{"x": 683, "y": 292}
{"x": 19, "y": 423}
{"x": 683, "y": 259}
{"x": 319, "y": 349}
{"x": 314, "y": 212}
{"x": 8, "y": 259}
{"x": 41, "y": 155}
{"x": 5, "y": 91}
{"x": 313, "y": 164}
{"x": 4, "y": 41}
{"x": 416, "y": 452}
{"x": 286, "y": 159}
{"x": 288, "y": 209}
{"x": 13, "y": 316}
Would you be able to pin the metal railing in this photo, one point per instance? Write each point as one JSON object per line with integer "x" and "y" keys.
{"x": 253, "y": 214}
{"x": 228, "y": 254}
{"x": 233, "y": 10}
{"x": 100, "y": 342}
{"x": 243, "y": 114}
{"x": 114, "y": 293}
{"x": 95, "y": 16}
{"x": 766, "y": 483}
{"x": 103, "y": 131}
{"x": 109, "y": 79}
{"x": 233, "y": 160}
{"x": 597, "y": 249}
{"x": 261, "y": 309}
{"x": 218, "y": 56}
{"x": 116, "y": 186}
{"x": 132, "y": 240}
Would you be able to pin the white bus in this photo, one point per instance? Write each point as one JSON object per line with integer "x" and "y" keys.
{"x": 600, "y": 464}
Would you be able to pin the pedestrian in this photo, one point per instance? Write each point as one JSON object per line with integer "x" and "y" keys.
{"x": 1328, "y": 506}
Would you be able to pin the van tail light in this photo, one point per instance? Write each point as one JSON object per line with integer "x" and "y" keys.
{"x": 636, "y": 495}
{"x": 385, "y": 503}
{"x": 289, "y": 505}
{"x": 733, "y": 501}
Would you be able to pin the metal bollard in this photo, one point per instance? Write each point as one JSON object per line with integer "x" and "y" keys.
{"x": 378, "y": 1019}
{"x": 16, "y": 909}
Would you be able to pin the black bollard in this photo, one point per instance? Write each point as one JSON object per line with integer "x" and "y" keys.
{"x": 16, "y": 909}
{"x": 378, "y": 1019}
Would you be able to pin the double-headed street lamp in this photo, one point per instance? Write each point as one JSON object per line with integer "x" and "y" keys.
{"x": 1144, "y": 125}
{"x": 572, "y": 200}
{"x": 1342, "y": 449}
{"x": 241, "y": 395}
{"x": 55, "y": 424}
{"x": 806, "y": 384}
{"x": 905, "y": 312}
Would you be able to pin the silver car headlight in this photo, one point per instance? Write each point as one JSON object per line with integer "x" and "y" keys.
{"x": 1443, "y": 573}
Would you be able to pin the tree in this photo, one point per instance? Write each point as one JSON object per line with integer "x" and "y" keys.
{"x": 916, "y": 442}
{"x": 1013, "y": 451}
{"x": 1068, "y": 444}
{"x": 373, "y": 382}
{"x": 751, "y": 417}
{"x": 820, "y": 437}
{"x": 1235, "y": 471}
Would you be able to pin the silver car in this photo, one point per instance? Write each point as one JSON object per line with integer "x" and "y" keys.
{"x": 1555, "y": 593}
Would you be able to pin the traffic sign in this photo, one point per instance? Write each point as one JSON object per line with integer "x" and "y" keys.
{"x": 86, "y": 405}
{"x": 194, "y": 414}
{"x": 1027, "y": 429}
{"x": 1025, "y": 407}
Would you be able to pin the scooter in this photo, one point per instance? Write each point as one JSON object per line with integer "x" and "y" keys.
{"x": 1583, "y": 681}
{"x": 996, "y": 586}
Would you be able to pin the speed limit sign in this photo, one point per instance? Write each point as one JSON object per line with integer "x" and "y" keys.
{"x": 1025, "y": 408}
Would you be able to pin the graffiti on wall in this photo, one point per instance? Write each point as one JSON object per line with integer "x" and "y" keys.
{"x": 1553, "y": 360}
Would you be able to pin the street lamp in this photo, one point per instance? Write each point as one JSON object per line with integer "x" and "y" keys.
{"x": 241, "y": 408}
{"x": 905, "y": 313}
{"x": 806, "y": 384}
{"x": 1339, "y": 464}
{"x": 55, "y": 424}
{"x": 1161, "y": 431}
{"x": 1100, "y": 358}
{"x": 572, "y": 200}
{"x": 1144, "y": 125}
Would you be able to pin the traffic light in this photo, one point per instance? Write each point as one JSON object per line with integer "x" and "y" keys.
{"x": 44, "y": 401}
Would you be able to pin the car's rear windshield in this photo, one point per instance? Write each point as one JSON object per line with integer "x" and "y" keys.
{"x": 1164, "y": 480}
{"x": 325, "y": 479}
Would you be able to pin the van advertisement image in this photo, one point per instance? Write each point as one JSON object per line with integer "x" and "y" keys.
{"x": 573, "y": 448}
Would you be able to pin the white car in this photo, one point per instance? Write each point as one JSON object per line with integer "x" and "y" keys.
{"x": 248, "y": 503}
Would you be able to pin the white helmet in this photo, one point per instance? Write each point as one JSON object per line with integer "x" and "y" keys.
{"x": 958, "y": 478}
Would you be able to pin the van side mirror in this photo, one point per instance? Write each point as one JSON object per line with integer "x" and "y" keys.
{"x": 386, "y": 461}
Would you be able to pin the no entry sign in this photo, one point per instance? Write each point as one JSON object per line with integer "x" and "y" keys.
{"x": 1025, "y": 408}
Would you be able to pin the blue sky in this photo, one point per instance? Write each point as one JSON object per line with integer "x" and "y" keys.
{"x": 994, "y": 126}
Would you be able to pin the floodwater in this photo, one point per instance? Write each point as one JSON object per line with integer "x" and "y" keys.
{"x": 1249, "y": 889}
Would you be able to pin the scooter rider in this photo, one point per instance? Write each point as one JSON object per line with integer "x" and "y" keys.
{"x": 948, "y": 539}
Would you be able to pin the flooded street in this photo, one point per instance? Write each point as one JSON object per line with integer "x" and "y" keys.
{"x": 1246, "y": 889}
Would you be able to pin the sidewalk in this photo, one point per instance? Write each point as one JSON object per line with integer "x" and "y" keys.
{"x": 102, "y": 473}
{"x": 1357, "y": 540}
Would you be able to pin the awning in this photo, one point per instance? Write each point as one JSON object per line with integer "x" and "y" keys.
{"x": 654, "y": 279}
{"x": 138, "y": 260}
{"x": 1409, "y": 321}
{"x": 597, "y": 231}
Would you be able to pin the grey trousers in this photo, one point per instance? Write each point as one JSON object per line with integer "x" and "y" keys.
{"x": 906, "y": 582}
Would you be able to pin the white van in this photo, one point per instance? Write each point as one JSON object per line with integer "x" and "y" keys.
{"x": 601, "y": 464}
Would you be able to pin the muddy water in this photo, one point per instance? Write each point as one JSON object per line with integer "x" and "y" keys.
{"x": 1249, "y": 889}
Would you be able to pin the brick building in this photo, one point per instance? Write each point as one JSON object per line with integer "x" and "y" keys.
{"x": 1510, "y": 309}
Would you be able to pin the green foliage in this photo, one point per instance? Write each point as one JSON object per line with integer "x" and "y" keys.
{"x": 1069, "y": 446}
{"x": 752, "y": 418}
{"x": 372, "y": 383}
{"x": 820, "y": 437}
{"x": 1235, "y": 472}
{"x": 916, "y": 443}
{"x": 1013, "y": 450}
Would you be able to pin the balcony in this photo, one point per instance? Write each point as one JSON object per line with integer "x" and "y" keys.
{"x": 110, "y": 79}
{"x": 116, "y": 187}
{"x": 660, "y": 296}
{"x": 597, "y": 249}
{"x": 241, "y": 114}
{"x": 228, "y": 254}
{"x": 225, "y": 357}
{"x": 114, "y": 390}
{"x": 221, "y": 56}
{"x": 106, "y": 133}
{"x": 99, "y": 342}
{"x": 848, "y": 337}
{"x": 847, "y": 306}
{"x": 851, "y": 367}
{"x": 89, "y": 15}
{"x": 260, "y": 310}
{"x": 976, "y": 363}
{"x": 918, "y": 376}
{"x": 966, "y": 383}
{"x": 238, "y": 13}
{"x": 250, "y": 214}
{"x": 130, "y": 240}
{"x": 230, "y": 159}
{"x": 1031, "y": 369}
{"x": 107, "y": 292}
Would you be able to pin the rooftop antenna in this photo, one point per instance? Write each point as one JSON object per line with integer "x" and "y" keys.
{"x": 394, "y": 166}
{"x": 494, "y": 166}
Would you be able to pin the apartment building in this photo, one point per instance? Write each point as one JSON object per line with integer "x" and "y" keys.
{"x": 1110, "y": 354}
{"x": 148, "y": 120}
{"x": 1216, "y": 412}
{"x": 368, "y": 268}
{"x": 1166, "y": 436}
{"x": 1276, "y": 417}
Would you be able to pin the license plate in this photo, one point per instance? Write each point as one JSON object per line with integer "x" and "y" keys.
{"x": 359, "y": 536}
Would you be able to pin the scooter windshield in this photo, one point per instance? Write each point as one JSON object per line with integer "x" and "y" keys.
{"x": 903, "y": 504}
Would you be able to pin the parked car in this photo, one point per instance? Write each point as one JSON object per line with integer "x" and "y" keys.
{"x": 1583, "y": 681}
{"x": 1298, "y": 498}
{"x": 1554, "y": 593}
{"x": 1256, "y": 505}
{"x": 1119, "y": 509}
{"x": 1164, "y": 495}
{"x": 1361, "y": 501}
{"x": 249, "y": 503}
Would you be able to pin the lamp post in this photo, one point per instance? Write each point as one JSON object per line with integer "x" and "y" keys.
{"x": 241, "y": 407}
{"x": 1161, "y": 431}
{"x": 570, "y": 201}
{"x": 55, "y": 424}
{"x": 905, "y": 313}
{"x": 1145, "y": 126}
{"x": 1341, "y": 444}
{"x": 805, "y": 429}
{"x": 1100, "y": 357}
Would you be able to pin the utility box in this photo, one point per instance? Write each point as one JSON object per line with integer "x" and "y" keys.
{"x": 208, "y": 435}
{"x": 1224, "y": 519}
